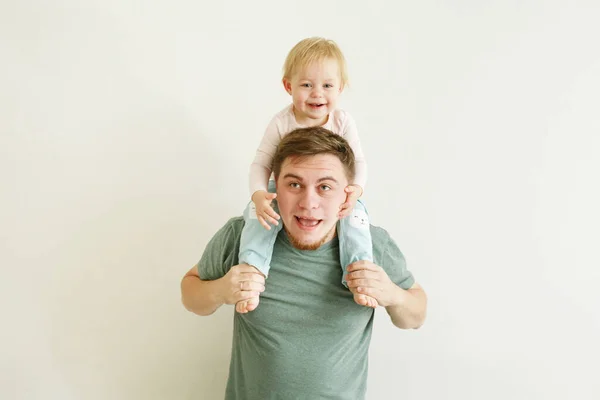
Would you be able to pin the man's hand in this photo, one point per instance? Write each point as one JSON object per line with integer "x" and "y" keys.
{"x": 353, "y": 194}
{"x": 371, "y": 280}
{"x": 264, "y": 212}
{"x": 242, "y": 282}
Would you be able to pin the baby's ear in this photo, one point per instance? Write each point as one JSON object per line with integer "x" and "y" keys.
{"x": 287, "y": 85}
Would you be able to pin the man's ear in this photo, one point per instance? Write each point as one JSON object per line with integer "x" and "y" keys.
{"x": 287, "y": 85}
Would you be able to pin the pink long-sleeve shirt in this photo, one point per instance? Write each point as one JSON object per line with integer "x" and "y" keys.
{"x": 339, "y": 122}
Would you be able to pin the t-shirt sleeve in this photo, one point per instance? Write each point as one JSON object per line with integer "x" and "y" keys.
{"x": 390, "y": 258}
{"x": 221, "y": 252}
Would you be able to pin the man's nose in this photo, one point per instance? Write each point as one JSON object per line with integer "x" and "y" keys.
{"x": 309, "y": 199}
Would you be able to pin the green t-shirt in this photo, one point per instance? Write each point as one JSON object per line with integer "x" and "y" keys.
{"x": 307, "y": 339}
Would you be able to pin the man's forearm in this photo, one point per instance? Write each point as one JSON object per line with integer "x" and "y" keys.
{"x": 200, "y": 297}
{"x": 410, "y": 310}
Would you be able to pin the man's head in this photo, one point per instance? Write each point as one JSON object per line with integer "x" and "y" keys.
{"x": 312, "y": 166}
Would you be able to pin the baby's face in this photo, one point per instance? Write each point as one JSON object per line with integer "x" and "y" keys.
{"x": 315, "y": 91}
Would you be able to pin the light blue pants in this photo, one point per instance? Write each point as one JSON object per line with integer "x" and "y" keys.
{"x": 354, "y": 235}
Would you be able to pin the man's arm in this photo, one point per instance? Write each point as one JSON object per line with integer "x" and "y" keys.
{"x": 198, "y": 296}
{"x": 203, "y": 297}
{"x": 410, "y": 308}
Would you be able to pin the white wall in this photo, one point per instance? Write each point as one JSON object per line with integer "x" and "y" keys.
{"x": 127, "y": 129}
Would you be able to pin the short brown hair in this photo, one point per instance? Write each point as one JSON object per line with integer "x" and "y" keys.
{"x": 305, "y": 142}
{"x": 311, "y": 50}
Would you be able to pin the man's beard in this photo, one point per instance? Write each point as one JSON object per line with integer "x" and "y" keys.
{"x": 310, "y": 246}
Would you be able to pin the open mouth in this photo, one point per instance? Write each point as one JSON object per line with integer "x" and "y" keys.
{"x": 316, "y": 105}
{"x": 308, "y": 223}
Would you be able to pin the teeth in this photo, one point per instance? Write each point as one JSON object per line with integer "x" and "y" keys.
{"x": 308, "y": 222}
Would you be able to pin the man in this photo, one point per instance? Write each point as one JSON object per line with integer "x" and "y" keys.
{"x": 308, "y": 338}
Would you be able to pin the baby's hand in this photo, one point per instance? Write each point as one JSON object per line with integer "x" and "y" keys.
{"x": 264, "y": 212}
{"x": 353, "y": 193}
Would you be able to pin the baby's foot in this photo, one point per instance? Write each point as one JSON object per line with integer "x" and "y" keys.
{"x": 365, "y": 300}
{"x": 244, "y": 306}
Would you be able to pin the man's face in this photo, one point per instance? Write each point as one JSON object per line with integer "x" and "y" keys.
{"x": 310, "y": 191}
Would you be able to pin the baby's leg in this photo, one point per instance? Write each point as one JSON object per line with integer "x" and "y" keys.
{"x": 355, "y": 245}
{"x": 256, "y": 243}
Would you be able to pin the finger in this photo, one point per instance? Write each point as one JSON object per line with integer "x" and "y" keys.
{"x": 271, "y": 196}
{"x": 252, "y": 286}
{"x": 344, "y": 214}
{"x": 246, "y": 271}
{"x": 369, "y": 291}
{"x": 270, "y": 219}
{"x": 252, "y": 275}
{"x": 344, "y": 206}
{"x": 256, "y": 283}
{"x": 363, "y": 273}
{"x": 357, "y": 190}
{"x": 271, "y": 213}
{"x": 362, "y": 282}
{"x": 263, "y": 223}
{"x": 363, "y": 265}
{"x": 369, "y": 286}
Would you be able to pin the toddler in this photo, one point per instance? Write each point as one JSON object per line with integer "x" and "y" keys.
{"x": 314, "y": 74}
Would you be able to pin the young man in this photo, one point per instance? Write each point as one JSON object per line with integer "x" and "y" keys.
{"x": 309, "y": 335}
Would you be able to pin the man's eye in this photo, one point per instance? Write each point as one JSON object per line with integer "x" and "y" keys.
{"x": 325, "y": 188}
{"x": 294, "y": 185}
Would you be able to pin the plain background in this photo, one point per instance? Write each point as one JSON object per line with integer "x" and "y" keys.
{"x": 127, "y": 129}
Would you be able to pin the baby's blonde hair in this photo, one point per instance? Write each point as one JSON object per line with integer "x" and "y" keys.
{"x": 314, "y": 49}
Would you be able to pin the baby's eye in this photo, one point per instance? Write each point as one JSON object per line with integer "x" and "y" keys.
{"x": 328, "y": 85}
{"x": 305, "y": 85}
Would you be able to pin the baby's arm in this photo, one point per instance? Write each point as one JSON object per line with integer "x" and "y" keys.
{"x": 356, "y": 188}
{"x": 260, "y": 172}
